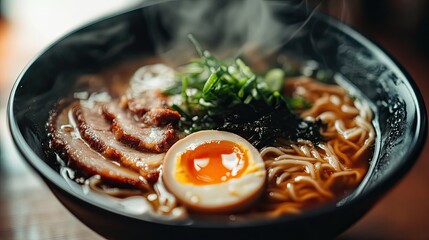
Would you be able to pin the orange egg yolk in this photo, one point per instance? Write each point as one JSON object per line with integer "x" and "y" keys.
{"x": 213, "y": 162}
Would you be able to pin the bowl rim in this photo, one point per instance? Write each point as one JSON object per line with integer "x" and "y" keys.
{"x": 417, "y": 143}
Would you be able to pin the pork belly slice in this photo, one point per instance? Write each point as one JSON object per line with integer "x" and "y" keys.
{"x": 150, "y": 108}
{"x": 144, "y": 92}
{"x": 143, "y": 102}
{"x": 95, "y": 130}
{"x": 66, "y": 141}
{"x": 160, "y": 117}
{"x": 139, "y": 135}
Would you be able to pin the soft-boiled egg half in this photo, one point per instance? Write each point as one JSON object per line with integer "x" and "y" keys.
{"x": 214, "y": 172}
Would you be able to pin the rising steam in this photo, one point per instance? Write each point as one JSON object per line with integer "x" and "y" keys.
{"x": 242, "y": 27}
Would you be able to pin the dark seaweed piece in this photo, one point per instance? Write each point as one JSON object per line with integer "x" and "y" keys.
{"x": 263, "y": 126}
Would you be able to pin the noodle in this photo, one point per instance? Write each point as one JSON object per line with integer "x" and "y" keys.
{"x": 308, "y": 174}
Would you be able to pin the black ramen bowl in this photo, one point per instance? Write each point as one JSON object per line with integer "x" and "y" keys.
{"x": 160, "y": 29}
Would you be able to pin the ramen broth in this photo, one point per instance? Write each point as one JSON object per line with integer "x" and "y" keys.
{"x": 300, "y": 174}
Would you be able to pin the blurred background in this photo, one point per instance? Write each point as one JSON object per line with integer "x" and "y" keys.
{"x": 28, "y": 210}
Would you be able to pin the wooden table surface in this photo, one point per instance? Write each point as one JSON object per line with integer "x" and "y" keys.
{"x": 28, "y": 210}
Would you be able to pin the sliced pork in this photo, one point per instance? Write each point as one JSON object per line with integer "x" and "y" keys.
{"x": 96, "y": 131}
{"x": 66, "y": 141}
{"x": 122, "y": 140}
{"x": 143, "y": 102}
{"x": 160, "y": 117}
{"x": 137, "y": 134}
{"x": 144, "y": 92}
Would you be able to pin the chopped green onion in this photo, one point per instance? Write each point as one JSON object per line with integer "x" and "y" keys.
{"x": 275, "y": 79}
{"x": 211, "y": 83}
